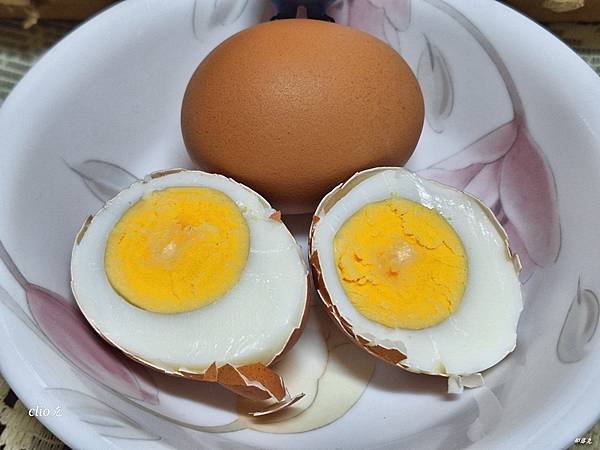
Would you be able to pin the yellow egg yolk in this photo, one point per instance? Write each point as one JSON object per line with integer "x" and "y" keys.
{"x": 401, "y": 264}
{"x": 177, "y": 249}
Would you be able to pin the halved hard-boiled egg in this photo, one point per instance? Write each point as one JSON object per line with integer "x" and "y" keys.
{"x": 417, "y": 273}
{"x": 195, "y": 275}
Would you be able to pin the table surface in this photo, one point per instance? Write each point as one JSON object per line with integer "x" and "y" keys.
{"x": 19, "y": 49}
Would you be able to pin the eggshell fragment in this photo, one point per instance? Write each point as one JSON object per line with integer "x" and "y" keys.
{"x": 325, "y": 365}
{"x": 457, "y": 383}
{"x": 251, "y": 381}
{"x": 340, "y": 387}
{"x": 302, "y": 367}
{"x": 393, "y": 356}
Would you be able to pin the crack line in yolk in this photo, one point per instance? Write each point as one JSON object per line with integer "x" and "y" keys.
{"x": 177, "y": 249}
{"x": 401, "y": 264}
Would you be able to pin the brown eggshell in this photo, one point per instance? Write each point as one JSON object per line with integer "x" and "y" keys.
{"x": 293, "y": 107}
{"x": 253, "y": 381}
{"x": 389, "y": 355}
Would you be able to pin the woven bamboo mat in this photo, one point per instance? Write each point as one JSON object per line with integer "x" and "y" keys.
{"x": 19, "y": 49}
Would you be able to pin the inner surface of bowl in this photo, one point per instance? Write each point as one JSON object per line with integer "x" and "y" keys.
{"x": 515, "y": 140}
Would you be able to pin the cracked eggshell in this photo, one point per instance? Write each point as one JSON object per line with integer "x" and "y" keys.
{"x": 247, "y": 373}
{"x": 378, "y": 184}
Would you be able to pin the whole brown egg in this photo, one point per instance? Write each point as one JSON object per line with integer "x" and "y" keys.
{"x": 293, "y": 107}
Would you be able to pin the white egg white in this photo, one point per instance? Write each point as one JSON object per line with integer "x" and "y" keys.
{"x": 251, "y": 323}
{"x": 483, "y": 329}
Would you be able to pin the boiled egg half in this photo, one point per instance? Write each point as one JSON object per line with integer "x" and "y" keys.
{"x": 190, "y": 272}
{"x": 417, "y": 273}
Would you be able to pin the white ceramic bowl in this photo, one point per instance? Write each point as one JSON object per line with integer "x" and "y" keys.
{"x": 512, "y": 116}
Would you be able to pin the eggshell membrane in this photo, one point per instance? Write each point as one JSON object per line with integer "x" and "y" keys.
{"x": 293, "y": 107}
{"x": 254, "y": 380}
{"x": 391, "y": 352}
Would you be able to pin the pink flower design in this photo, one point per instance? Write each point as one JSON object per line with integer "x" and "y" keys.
{"x": 64, "y": 326}
{"x": 508, "y": 171}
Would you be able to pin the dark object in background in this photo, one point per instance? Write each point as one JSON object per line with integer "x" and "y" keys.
{"x": 76, "y": 10}
{"x": 547, "y": 11}
{"x": 33, "y": 10}
{"x": 315, "y": 9}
